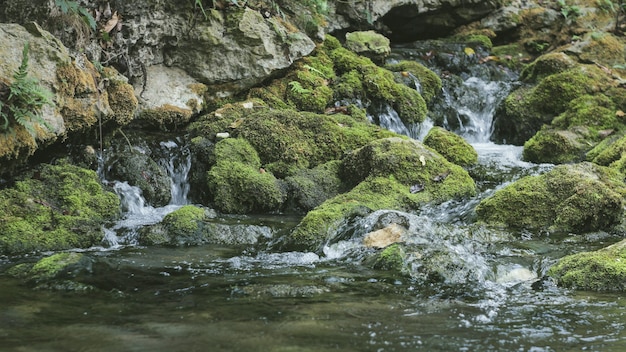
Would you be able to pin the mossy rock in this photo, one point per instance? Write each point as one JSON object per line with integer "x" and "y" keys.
{"x": 575, "y": 198}
{"x": 237, "y": 183}
{"x": 601, "y": 270}
{"x": 321, "y": 224}
{"x": 60, "y": 207}
{"x": 546, "y": 65}
{"x": 184, "y": 221}
{"x": 574, "y": 132}
{"x": 121, "y": 96}
{"x": 165, "y": 118}
{"x": 391, "y": 258}
{"x": 528, "y": 108}
{"x": 225, "y": 118}
{"x": 555, "y": 147}
{"x": 595, "y": 112}
{"x": 56, "y": 272}
{"x": 411, "y": 164}
{"x": 390, "y": 173}
{"x": 308, "y": 188}
{"x": 452, "y": 146}
{"x": 287, "y": 140}
{"x": 430, "y": 84}
{"x": 369, "y": 44}
{"x": 609, "y": 151}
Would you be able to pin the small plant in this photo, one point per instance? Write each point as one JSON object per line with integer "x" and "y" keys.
{"x": 570, "y": 12}
{"x": 25, "y": 100}
{"x": 617, "y": 8}
{"x": 72, "y": 7}
{"x": 199, "y": 4}
{"x": 296, "y": 87}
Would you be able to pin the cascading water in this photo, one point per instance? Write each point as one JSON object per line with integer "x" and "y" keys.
{"x": 175, "y": 159}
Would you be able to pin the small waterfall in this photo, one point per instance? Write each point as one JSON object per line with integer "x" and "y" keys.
{"x": 175, "y": 159}
{"x": 475, "y": 101}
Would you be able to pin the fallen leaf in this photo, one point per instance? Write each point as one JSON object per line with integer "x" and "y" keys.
{"x": 111, "y": 23}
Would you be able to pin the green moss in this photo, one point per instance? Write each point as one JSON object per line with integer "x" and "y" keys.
{"x": 165, "y": 118}
{"x": 555, "y": 146}
{"x": 410, "y": 163}
{"x": 575, "y": 198}
{"x": 349, "y": 86}
{"x": 239, "y": 188}
{"x": 236, "y": 150}
{"x": 50, "y": 267}
{"x": 609, "y": 151}
{"x": 225, "y": 118}
{"x": 554, "y": 93}
{"x": 321, "y": 223}
{"x": 121, "y": 96}
{"x": 409, "y": 105}
{"x": 391, "y": 258}
{"x": 452, "y": 146}
{"x": 288, "y": 140}
{"x": 596, "y": 112}
{"x": 309, "y": 188}
{"x": 602, "y": 270}
{"x": 309, "y": 91}
{"x": 346, "y": 61}
{"x": 429, "y": 82}
{"x": 546, "y": 65}
{"x": 183, "y": 221}
{"x": 61, "y": 207}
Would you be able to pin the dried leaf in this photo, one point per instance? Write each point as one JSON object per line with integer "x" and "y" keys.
{"x": 469, "y": 51}
{"x": 111, "y": 23}
{"x": 620, "y": 113}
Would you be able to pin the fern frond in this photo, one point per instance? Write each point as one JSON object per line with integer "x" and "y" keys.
{"x": 296, "y": 87}
{"x": 313, "y": 69}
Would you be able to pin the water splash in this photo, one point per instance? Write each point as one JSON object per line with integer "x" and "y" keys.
{"x": 176, "y": 160}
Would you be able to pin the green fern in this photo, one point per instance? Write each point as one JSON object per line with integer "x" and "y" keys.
{"x": 25, "y": 101}
{"x": 70, "y": 7}
{"x": 296, "y": 87}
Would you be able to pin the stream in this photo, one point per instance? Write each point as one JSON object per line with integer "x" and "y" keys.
{"x": 255, "y": 298}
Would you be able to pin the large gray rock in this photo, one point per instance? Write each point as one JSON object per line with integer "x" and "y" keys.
{"x": 229, "y": 50}
{"x": 409, "y": 20}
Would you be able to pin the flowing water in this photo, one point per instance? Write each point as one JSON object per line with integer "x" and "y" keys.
{"x": 491, "y": 294}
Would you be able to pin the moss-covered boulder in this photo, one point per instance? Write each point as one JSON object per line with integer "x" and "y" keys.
{"x": 308, "y": 188}
{"x": 287, "y": 140}
{"x": 452, "y": 146}
{"x": 610, "y": 152}
{"x": 546, "y": 65}
{"x": 571, "y": 134}
{"x": 529, "y": 107}
{"x": 410, "y": 163}
{"x": 59, "y": 207}
{"x": 575, "y": 198}
{"x": 238, "y": 184}
{"x": 56, "y": 272}
{"x": 556, "y": 146}
{"x": 601, "y": 270}
{"x": 369, "y": 44}
{"x": 412, "y": 73}
{"x": 389, "y": 173}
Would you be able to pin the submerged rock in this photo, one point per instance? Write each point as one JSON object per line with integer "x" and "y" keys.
{"x": 56, "y": 272}
{"x": 575, "y": 198}
{"x": 601, "y": 270}
{"x": 192, "y": 226}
